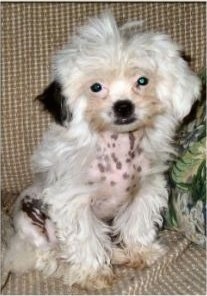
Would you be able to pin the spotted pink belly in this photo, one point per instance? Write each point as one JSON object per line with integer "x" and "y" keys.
{"x": 117, "y": 170}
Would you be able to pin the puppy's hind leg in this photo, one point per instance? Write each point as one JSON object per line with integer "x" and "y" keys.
{"x": 20, "y": 256}
{"x": 32, "y": 245}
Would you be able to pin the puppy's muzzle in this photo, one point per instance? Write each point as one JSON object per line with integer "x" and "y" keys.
{"x": 124, "y": 112}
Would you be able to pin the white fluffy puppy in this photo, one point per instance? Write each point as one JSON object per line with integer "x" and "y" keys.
{"x": 99, "y": 189}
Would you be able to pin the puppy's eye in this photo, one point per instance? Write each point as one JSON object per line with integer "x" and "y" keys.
{"x": 142, "y": 81}
{"x": 96, "y": 87}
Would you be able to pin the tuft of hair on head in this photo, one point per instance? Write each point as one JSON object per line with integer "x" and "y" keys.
{"x": 130, "y": 28}
{"x": 89, "y": 40}
{"x": 99, "y": 29}
{"x": 55, "y": 103}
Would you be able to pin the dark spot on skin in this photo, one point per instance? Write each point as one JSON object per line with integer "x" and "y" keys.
{"x": 127, "y": 189}
{"x": 128, "y": 160}
{"x": 114, "y": 136}
{"x": 108, "y": 145}
{"x": 115, "y": 159}
{"x": 101, "y": 168}
{"x": 135, "y": 185}
{"x": 112, "y": 183}
{"x": 125, "y": 176}
{"x": 131, "y": 140}
{"x": 139, "y": 150}
{"x": 131, "y": 154}
{"x": 90, "y": 183}
{"x": 118, "y": 165}
{"x": 117, "y": 162}
{"x": 114, "y": 145}
{"x": 139, "y": 169}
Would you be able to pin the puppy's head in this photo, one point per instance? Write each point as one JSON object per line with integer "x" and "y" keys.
{"x": 120, "y": 81}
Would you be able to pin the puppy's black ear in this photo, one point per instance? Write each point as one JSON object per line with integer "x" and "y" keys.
{"x": 55, "y": 103}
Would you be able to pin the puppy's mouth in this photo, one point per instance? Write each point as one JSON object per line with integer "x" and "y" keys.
{"x": 122, "y": 121}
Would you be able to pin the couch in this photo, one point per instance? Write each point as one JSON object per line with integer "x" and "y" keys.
{"x": 31, "y": 34}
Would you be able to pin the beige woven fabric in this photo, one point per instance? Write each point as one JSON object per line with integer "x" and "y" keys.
{"x": 33, "y": 32}
{"x": 181, "y": 271}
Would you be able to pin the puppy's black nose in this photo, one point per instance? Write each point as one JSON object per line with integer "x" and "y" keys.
{"x": 123, "y": 108}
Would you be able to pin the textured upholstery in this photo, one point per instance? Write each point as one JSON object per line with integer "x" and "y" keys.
{"x": 31, "y": 34}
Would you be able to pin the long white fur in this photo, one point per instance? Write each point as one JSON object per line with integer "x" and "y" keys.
{"x": 61, "y": 160}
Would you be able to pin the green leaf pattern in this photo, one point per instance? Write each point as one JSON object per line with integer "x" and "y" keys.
{"x": 187, "y": 202}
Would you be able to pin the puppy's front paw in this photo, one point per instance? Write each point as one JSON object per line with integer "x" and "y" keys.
{"x": 100, "y": 280}
{"x": 89, "y": 279}
{"x": 139, "y": 256}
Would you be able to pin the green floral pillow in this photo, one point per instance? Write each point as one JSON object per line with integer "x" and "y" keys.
{"x": 187, "y": 202}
